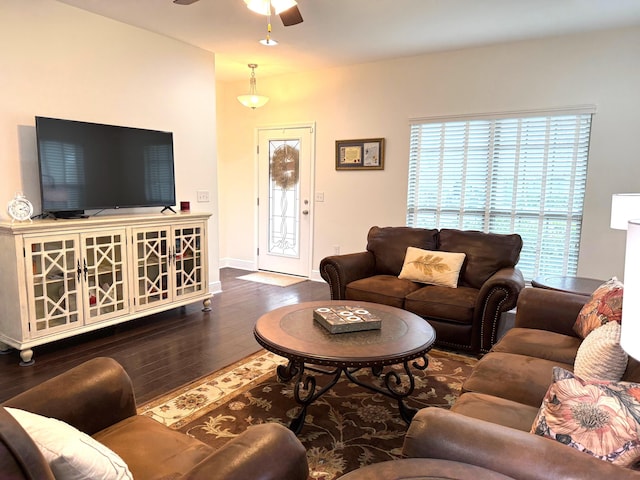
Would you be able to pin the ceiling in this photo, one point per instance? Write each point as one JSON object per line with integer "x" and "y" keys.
{"x": 342, "y": 32}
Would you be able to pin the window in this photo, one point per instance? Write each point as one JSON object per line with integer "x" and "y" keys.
{"x": 522, "y": 174}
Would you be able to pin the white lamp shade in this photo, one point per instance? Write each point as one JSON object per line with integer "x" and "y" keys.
{"x": 624, "y": 207}
{"x": 630, "y": 332}
{"x": 263, "y": 7}
{"x": 253, "y": 101}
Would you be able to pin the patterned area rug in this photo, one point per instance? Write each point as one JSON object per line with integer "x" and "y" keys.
{"x": 346, "y": 428}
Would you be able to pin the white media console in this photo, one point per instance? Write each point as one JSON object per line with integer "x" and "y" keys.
{"x": 61, "y": 278}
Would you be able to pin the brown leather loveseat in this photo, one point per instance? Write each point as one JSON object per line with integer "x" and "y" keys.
{"x": 96, "y": 398}
{"x": 489, "y": 424}
{"x": 465, "y": 318}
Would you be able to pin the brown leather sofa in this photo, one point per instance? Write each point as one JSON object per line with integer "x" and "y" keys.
{"x": 465, "y": 318}
{"x": 489, "y": 424}
{"x": 97, "y": 398}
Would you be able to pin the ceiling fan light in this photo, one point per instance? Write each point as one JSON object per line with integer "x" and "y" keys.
{"x": 282, "y": 5}
{"x": 263, "y": 7}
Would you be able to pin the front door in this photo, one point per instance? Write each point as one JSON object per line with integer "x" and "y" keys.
{"x": 284, "y": 199}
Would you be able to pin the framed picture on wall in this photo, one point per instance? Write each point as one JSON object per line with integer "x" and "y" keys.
{"x": 361, "y": 154}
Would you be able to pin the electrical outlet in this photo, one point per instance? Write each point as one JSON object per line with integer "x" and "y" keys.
{"x": 319, "y": 196}
{"x": 202, "y": 196}
{"x": 336, "y": 249}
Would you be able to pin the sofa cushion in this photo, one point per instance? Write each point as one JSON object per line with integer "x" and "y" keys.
{"x": 600, "y": 357}
{"x": 455, "y": 305}
{"x": 159, "y": 451}
{"x": 385, "y": 289}
{"x": 519, "y": 378}
{"x": 604, "y": 305}
{"x": 432, "y": 267}
{"x": 539, "y": 344}
{"x": 423, "y": 469}
{"x": 599, "y": 418}
{"x": 389, "y": 245}
{"x": 71, "y": 454}
{"x": 496, "y": 410}
{"x": 486, "y": 253}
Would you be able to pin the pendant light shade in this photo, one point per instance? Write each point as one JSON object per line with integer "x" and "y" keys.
{"x": 252, "y": 99}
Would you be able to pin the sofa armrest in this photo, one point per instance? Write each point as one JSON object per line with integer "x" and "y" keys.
{"x": 92, "y": 396}
{"x": 549, "y": 310}
{"x": 339, "y": 270}
{"x": 498, "y": 294}
{"x": 267, "y": 451}
{"x": 438, "y": 433}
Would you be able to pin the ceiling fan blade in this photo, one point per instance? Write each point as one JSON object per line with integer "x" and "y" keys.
{"x": 184, "y": 2}
{"x": 291, "y": 16}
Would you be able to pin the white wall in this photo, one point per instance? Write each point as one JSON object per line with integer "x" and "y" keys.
{"x": 378, "y": 99}
{"x": 63, "y": 62}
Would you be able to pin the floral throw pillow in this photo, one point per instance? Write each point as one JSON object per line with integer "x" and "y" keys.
{"x": 598, "y": 418}
{"x": 605, "y": 305}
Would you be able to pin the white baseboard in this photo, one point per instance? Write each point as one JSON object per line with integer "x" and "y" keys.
{"x": 215, "y": 287}
{"x": 241, "y": 264}
{"x": 252, "y": 267}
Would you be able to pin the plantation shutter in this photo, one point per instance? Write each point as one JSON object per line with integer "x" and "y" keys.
{"x": 523, "y": 173}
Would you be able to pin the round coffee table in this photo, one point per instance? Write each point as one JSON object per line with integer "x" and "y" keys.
{"x": 292, "y": 333}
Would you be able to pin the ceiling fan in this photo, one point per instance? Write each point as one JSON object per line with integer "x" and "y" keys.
{"x": 287, "y": 10}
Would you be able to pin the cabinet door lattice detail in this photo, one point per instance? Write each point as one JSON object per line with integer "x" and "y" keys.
{"x": 188, "y": 261}
{"x": 54, "y": 283}
{"x": 152, "y": 266}
{"x": 104, "y": 273}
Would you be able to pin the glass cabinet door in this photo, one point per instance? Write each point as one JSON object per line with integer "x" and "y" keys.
{"x": 188, "y": 260}
{"x": 152, "y": 264}
{"x": 55, "y": 283}
{"x": 104, "y": 275}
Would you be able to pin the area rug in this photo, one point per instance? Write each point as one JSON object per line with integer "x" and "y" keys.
{"x": 348, "y": 427}
{"x": 270, "y": 278}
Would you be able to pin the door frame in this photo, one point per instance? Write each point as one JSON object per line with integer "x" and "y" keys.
{"x": 312, "y": 187}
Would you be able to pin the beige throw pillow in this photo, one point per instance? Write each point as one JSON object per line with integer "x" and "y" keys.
{"x": 71, "y": 454}
{"x": 600, "y": 356}
{"x": 433, "y": 267}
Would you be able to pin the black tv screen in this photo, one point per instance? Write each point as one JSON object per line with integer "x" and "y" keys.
{"x": 91, "y": 166}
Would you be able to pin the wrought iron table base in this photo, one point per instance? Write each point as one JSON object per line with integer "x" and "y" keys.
{"x": 305, "y": 392}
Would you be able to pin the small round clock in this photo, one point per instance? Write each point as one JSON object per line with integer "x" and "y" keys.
{"x": 20, "y": 208}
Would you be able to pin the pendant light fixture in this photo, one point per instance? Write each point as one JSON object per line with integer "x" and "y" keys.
{"x": 252, "y": 99}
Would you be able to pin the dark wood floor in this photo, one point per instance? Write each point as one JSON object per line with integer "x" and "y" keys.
{"x": 165, "y": 351}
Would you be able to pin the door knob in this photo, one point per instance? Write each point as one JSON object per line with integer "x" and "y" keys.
{"x": 305, "y": 212}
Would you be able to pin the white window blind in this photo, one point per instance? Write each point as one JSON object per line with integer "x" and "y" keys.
{"x": 524, "y": 175}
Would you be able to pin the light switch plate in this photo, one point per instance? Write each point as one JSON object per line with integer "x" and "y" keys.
{"x": 202, "y": 196}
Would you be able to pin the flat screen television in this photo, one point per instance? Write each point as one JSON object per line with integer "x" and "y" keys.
{"x": 90, "y": 166}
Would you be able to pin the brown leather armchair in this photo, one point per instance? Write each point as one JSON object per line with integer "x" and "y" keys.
{"x": 442, "y": 434}
{"x": 97, "y": 398}
{"x": 465, "y": 318}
